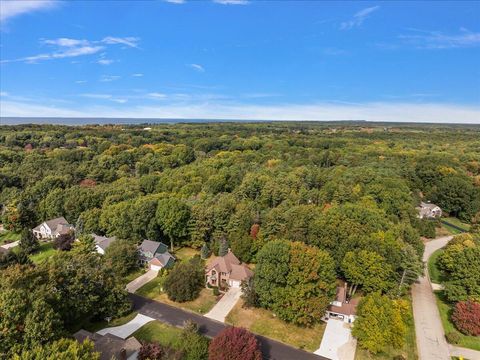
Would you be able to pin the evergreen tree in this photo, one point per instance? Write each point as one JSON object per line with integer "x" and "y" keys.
{"x": 28, "y": 242}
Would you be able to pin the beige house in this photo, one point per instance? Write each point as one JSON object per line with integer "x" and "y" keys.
{"x": 428, "y": 210}
{"x": 51, "y": 229}
{"x": 226, "y": 271}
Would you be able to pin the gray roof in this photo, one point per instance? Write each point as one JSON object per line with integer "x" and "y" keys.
{"x": 109, "y": 346}
{"x": 102, "y": 241}
{"x": 164, "y": 258}
{"x": 150, "y": 246}
{"x": 428, "y": 205}
{"x": 59, "y": 225}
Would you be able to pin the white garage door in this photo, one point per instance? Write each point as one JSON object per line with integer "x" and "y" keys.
{"x": 155, "y": 267}
{"x": 235, "y": 283}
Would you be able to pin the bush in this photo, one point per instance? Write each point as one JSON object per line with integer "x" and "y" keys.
{"x": 234, "y": 344}
{"x": 64, "y": 242}
{"x": 216, "y": 292}
{"x": 194, "y": 345}
{"x": 466, "y": 317}
{"x": 151, "y": 351}
{"x": 452, "y": 337}
{"x": 185, "y": 280}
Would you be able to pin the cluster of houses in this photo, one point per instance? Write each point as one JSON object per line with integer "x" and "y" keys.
{"x": 153, "y": 254}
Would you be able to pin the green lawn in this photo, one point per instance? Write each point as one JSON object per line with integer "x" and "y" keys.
{"x": 152, "y": 289}
{"x": 456, "y": 222}
{"x": 409, "y": 350}
{"x": 263, "y": 322}
{"x": 94, "y": 326}
{"x": 8, "y": 237}
{"x": 445, "y": 309}
{"x": 185, "y": 253}
{"x": 157, "y": 331}
{"x": 433, "y": 270}
{"x": 46, "y": 250}
{"x": 134, "y": 274}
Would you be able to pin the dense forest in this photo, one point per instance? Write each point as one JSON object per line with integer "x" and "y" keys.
{"x": 340, "y": 188}
{"x": 277, "y": 194}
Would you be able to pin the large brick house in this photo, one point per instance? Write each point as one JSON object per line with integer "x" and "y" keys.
{"x": 226, "y": 271}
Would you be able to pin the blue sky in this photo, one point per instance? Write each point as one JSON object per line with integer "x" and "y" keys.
{"x": 235, "y": 59}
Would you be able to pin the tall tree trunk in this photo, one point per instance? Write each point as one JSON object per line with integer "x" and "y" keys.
{"x": 171, "y": 243}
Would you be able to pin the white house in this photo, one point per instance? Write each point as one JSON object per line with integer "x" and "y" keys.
{"x": 102, "y": 242}
{"x": 52, "y": 229}
{"x": 429, "y": 211}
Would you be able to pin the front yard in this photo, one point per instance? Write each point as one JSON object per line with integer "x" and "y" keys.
{"x": 454, "y": 221}
{"x": 445, "y": 309}
{"x": 185, "y": 253}
{"x": 201, "y": 305}
{"x": 8, "y": 237}
{"x": 263, "y": 322}
{"x": 46, "y": 251}
{"x": 156, "y": 331}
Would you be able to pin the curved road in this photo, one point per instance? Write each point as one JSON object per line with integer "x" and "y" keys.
{"x": 271, "y": 349}
{"x": 431, "y": 341}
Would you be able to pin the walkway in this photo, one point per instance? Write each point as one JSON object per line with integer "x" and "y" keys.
{"x": 125, "y": 330}
{"x": 465, "y": 353}
{"x": 429, "y": 331}
{"x": 10, "y": 245}
{"x": 221, "y": 309}
{"x": 137, "y": 283}
{"x": 337, "y": 342}
{"x": 271, "y": 349}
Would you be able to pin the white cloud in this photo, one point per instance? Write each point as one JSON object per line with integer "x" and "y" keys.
{"x": 137, "y": 75}
{"x": 105, "y": 97}
{"x": 197, "y": 67}
{"x": 3, "y": 93}
{"x": 376, "y": 111}
{"x": 175, "y": 1}
{"x": 10, "y": 9}
{"x": 156, "y": 95}
{"x": 437, "y": 40}
{"x": 358, "y": 18}
{"x": 231, "y": 2}
{"x": 105, "y": 61}
{"x": 108, "y": 78}
{"x": 128, "y": 41}
{"x": 67, "y": 47}
{"x": 65, "y": 42}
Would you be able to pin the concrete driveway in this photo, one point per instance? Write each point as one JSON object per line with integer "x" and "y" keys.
{"x": 10, "y": 245}
{"x": 220, "y": 311}
{"x": 137, "y": 283}
{"x": 124, "y": 331}
{"x": 431, "y": 341}
{"x": 337, "y": 342}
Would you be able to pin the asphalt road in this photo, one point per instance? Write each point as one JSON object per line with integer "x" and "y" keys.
{"x": 271, "y": 349}
{"x": 431, "y": 341}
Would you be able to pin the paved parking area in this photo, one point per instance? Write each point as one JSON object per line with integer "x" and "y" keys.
{"x": 125, "y": 330}
{"x": 221, "y": 309}
{"x": 338, "y": 342}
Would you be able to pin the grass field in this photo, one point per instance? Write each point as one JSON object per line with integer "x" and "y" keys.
{"x": 186, "y": 253}
{"x": 409, "y": 350}
{"x": 456, "y": 222}
{"x": 433, "y": 270}
{"x": 445, "y": 309}
{"x": 8, "y": 237}
{"x": 46, "y": 250}
{"x": 201, "y": 305}
{"x": 262, "y": 322}
{"x": 157, "y": 331}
